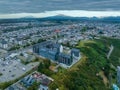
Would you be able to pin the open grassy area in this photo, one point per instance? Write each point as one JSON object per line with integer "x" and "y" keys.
{"x": 82, "y": 43}
{"x": 105, "y": 80}
{"x": 82, "y": 61}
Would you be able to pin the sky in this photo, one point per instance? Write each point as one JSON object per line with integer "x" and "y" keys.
{"x": 29, "y": 7}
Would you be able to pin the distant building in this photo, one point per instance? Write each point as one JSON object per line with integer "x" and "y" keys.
{"x": 118, "y": 74}
{"x": 43, "y": 87}
{"x": 10, "y": 88}
{"x": 28, "y": 81}
{"x": 54, "y": 51}
{"x": 3, "y": 44}
{"x": 24, "y": 57}
{"x": 19, "y": 41}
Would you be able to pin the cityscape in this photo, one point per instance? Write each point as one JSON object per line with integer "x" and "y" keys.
{"x": 24, "y": 44}
{"x": 52, "y": 48}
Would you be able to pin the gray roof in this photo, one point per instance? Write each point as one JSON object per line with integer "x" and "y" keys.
{"x": 4, "y": 42}
{"x": 75, "y": 50}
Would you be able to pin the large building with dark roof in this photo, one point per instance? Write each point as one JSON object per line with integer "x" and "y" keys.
{"x": 54, "y": 51}
{"x": 65, "y": 59}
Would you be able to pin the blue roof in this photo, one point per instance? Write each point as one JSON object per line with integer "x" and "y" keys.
{"x": 115, "y": 87}
{"x": 4, "y": 42}
{"x": 28, "y": 81}
{"x": 43, "y": 87}
{"x": 53, "y": 52}
{"x": 75, "y": 50}
{"x": 11, "y": 88}
{"x": 56, "y": 45}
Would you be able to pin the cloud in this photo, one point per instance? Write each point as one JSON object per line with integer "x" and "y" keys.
{"x": 38, "y": 6}
{"x": 73, "y": 13}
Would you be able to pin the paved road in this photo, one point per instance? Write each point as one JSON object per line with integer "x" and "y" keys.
{"x": 110, "y": 52}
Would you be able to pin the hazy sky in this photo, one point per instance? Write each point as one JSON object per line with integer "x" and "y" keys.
{"x": 37, "y": 6}
{"x": 44, "y": 8}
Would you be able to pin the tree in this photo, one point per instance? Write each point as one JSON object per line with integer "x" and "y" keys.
{"x": 47, "y": 63}
{"x": 53, "y": 86}
{"x": 34, "y": 86}
{"x": 41, "y": 67}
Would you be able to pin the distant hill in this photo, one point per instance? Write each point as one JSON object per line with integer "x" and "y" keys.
{"x": 63, "y": 17}
{"x": 112, "y": 18}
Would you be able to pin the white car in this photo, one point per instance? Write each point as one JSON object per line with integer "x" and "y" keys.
{"x": 23, "y": 69}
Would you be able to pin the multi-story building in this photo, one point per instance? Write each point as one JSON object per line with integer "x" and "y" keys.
{"x": 55, "y": 52}
{"x": 3, "y": 44}
{"x": 65, "y": 59}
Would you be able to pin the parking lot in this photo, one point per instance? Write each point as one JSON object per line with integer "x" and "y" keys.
{"x": 13, "y": 69}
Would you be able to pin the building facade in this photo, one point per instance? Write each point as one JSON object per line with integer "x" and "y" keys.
{"x": 54, "y": 51}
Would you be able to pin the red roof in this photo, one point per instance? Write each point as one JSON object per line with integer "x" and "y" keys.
{"x": 57, "y": 31}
